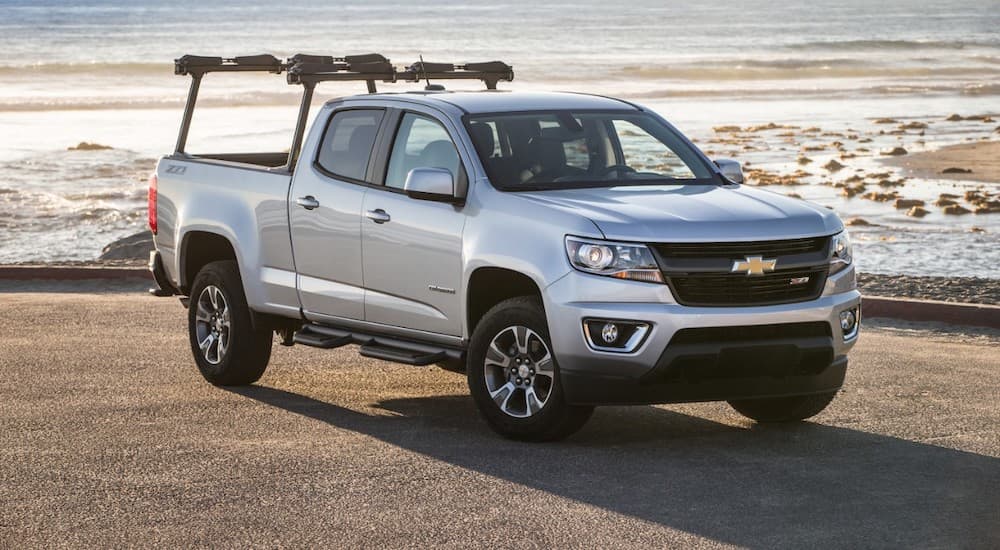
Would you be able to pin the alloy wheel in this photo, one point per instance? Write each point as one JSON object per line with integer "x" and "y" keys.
{"x": 212, "y": 324}
{"x": 519, "y": 371}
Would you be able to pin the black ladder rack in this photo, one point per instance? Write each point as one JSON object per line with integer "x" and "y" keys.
{"x": 371, "y": 68}
{"x": 197, "y": 65}
{"x": 308, "y": 70}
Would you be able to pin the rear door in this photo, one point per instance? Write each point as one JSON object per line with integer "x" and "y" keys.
{"x": 325, "y": 205}
{"x": 413, "y": 248}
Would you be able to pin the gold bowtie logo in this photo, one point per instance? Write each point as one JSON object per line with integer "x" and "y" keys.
{"x": 754, "y": 265}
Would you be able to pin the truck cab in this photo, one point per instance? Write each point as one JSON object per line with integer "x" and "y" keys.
{"x": 562, "y": 250}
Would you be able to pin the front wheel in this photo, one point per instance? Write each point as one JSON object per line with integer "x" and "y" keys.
{"x": 228, "y": 349}
{"x": 783, "y": 409}
{"x": 514, "y": 378}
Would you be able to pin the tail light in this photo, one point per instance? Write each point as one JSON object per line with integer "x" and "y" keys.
{"x": 152, "y": 203}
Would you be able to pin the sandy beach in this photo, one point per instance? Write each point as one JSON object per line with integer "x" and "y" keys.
{"x": 978, "y": 161}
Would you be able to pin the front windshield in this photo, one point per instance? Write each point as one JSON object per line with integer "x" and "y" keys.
{"x": 564, "y": 149}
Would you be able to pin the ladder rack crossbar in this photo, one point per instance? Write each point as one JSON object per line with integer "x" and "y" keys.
{"x": 308, "y": 69}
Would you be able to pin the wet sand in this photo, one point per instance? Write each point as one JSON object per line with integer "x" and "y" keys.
{"x": 983, "y": 158}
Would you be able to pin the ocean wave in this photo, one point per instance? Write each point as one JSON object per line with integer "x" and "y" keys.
{"x": 106, "y": 215}
{"x": 250, "y": 99}
{"x": 975, "y": 89}
{"x": 74, "y": 69}
{"x": 866, "y": 44}
{"x": 796, "y": 71}
{"x": 106, "y": 195}
{"x": 981, "y": 89}
{"x": 991, "y": 59}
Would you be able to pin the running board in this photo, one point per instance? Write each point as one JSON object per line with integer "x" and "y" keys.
{"x": 409, "y": 356}
{"x": 376, "y": 346}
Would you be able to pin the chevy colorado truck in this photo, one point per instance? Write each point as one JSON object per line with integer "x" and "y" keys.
{"x": 563, "y": 250}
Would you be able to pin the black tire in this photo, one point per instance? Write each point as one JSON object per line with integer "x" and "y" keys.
{"x": 245, "y": 358}
{"x": 783, "y": 409}
{"x": 556, "y": 419}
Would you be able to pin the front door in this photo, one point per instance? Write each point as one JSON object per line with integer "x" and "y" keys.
{"x": 412, "y": 247}
{"x": 325, "y": 216}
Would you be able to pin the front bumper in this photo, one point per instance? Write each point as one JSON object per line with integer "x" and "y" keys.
{"x": 759, "y": 357}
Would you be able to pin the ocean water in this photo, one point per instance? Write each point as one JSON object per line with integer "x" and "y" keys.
{"x": 102, "y": 72}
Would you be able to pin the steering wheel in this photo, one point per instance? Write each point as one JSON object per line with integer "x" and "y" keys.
{"x": 567, "y": 173}
{"x": 617, "y": 168}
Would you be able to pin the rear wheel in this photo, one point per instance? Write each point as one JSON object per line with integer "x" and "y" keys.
{"x": 514, "y": 377}
{"x": 783, "y": 409}
{"x": 228, "y": 350}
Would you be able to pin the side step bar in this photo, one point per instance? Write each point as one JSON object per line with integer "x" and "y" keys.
{"x": 376, "y": 346}
{"x": 418, "y": 358}
{"x": 308, "y": 337}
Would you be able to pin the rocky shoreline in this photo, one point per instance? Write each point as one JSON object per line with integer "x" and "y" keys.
{"x": 972, "y": 290}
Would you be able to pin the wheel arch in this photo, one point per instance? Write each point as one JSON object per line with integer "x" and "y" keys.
{"x": 199, "y": 248}
{"x": 488, "y": 286}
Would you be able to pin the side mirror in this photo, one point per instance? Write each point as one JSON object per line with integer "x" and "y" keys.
{"x": 430, "y": 184}
{"x": 730, "y": 169}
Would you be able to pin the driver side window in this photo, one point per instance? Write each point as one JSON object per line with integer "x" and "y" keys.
{"x": 420, "y": 143}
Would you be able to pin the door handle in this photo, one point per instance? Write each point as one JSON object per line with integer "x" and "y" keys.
{"x": 308, "y": 202}
{"x": 378, "y": 215}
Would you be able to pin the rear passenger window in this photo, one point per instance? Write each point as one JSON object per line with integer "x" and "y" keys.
{"x": 348, "y": 143}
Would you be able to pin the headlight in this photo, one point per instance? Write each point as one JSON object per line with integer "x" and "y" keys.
{"x": 842, "y": 254}
{"x": 619, "y": 260}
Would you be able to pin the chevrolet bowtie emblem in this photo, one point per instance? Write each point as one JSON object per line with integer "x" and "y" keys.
{"x": 754, "y": 265}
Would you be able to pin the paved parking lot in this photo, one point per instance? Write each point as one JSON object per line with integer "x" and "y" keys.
{"x": 110, "y": 437}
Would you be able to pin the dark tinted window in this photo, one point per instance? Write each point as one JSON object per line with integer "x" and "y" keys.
{"x": 348, "y": 143}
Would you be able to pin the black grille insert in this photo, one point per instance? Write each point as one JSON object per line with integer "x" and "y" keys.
{"x": 700, "y": 274}
{"x": 725, "y": 289}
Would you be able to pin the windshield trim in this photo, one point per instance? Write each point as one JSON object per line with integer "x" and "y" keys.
{"x": 714, "y": 179}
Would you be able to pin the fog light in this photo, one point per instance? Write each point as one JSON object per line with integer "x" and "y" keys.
{"x": 614, "y": 335}
{"x": 849, "y": 323}
{"x": 609, "y": 333}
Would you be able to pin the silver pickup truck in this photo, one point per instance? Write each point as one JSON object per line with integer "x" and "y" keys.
{"x": 563, "y": 250}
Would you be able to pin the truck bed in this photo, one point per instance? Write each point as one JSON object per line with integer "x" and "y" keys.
{"x": 265, "y": 160}
{"x": 244, "y": 202}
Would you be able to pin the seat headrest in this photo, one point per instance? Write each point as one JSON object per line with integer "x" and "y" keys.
{"x": 361, "y": 138}
{"x": 439, "y": 154}
{"x": 550, "y": 153}
{"x": 482, "y": 137}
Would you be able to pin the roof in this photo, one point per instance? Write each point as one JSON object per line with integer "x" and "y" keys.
{"x": 492, "y": 101}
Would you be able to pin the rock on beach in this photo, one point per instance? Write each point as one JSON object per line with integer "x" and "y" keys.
{"x": 133, "y": 247}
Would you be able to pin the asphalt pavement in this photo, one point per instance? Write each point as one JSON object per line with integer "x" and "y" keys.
{"x": 110, "y": 437}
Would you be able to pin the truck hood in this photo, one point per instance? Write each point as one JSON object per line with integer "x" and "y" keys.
{"x": 692, "y": 213}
